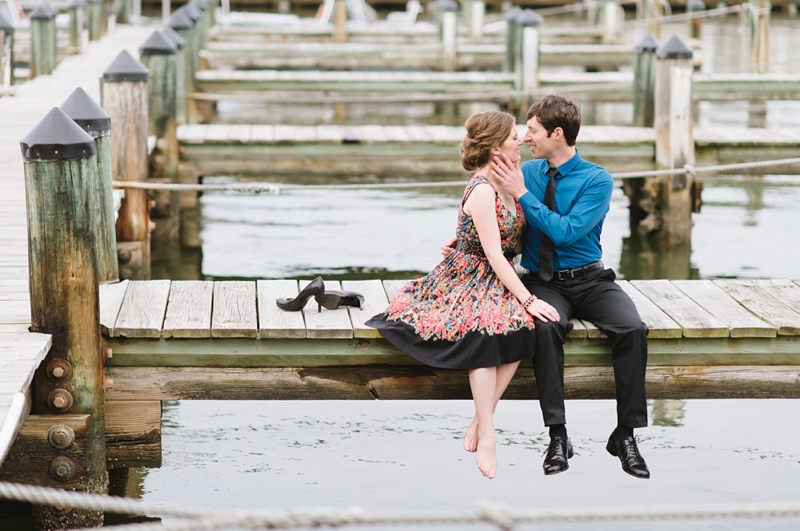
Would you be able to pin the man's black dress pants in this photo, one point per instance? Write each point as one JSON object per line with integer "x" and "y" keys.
{"x": 596, "y": 298}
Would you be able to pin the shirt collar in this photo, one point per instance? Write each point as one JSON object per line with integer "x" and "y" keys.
{"x": 567, "y": 167}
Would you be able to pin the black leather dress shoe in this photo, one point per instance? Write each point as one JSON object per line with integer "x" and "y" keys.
{"x": 628, "y": 452}
{"x": 558, "y": 453}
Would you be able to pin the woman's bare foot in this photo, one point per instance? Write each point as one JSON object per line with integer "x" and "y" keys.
{"x": 471, "y": 437}
{"x": 487, "y": 457}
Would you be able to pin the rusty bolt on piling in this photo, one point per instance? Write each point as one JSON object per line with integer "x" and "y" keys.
{"x": 59, "y": 370}
{"x": 62, "y": 468}
{"x": 60, "y": 510}
{"x": 60, "y": 400}
{"x": 61, "y": 436}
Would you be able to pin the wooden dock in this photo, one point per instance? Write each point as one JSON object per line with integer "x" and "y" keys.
{"x": 228, "y": 340}
{"x": 216, "y": 149}
{"x": 20, "y": 351}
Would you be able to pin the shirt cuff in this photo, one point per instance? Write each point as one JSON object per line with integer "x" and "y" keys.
{"x": 529, "y": 200}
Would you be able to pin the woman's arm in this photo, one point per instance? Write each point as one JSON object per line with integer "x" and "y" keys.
{"x": 481, "y": 206}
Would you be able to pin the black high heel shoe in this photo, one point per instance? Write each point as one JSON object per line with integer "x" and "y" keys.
{"x": 333, "y": 299}
{"x": 315, "y": 288}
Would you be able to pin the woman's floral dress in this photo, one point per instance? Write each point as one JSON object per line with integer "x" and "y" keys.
{"x": 460, "y": 316}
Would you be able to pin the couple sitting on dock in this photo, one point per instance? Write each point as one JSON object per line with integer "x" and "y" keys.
{"x": 473, "y": 311}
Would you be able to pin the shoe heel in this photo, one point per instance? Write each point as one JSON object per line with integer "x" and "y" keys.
{"x": 319, "y": 308}
{"x": 610, "y": 448}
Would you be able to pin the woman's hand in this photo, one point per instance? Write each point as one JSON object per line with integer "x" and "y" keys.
{"x": 448, "y": 247}
{"x": 543, "y": 311}
{"x": 509, "y": 176}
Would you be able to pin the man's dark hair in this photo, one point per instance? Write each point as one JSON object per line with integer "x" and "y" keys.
{"x": 557, "y": 111}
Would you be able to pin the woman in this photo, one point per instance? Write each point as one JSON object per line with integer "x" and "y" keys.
{"x": 472, "y": 311}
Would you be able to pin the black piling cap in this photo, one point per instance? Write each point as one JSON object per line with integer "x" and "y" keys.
{"x": 648, "y": 44}
{"x": 57, "y": 137}
{"x": 172, "y": 35}
{"x": 43, "y": 12}
{"x": 179, "y": 21}
{"x": 446, "y": 5}
{"x": 674, "y": 48}
{"x": 85, "y": 112}
{"x": 191, "y": 11}
{"x": 695, "y": 5}
{"x": 126, "y": 68}
{"x": 157, "y": 44}
{"x": 5, "y": 24}
{"x": 512, "y": 13}
{"x": 528, "y": 17}
{"x": 76, "y": 4}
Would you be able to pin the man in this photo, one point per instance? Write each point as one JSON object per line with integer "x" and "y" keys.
{"x": 561, "y": 255}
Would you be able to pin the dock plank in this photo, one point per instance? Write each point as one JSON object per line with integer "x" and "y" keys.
{"x": 660, "y": 325}
{"x": 189, "y": 309}
{"x": 392, "y": 287}
{"x": 324, "y": 323}
{"x": 762, "y": 304}
{"x": 143, "y": 309}
{"x": 693, "y": 318}
{"x": 375, "y": 302}
{"x": 272, "y": 321}
{"x": 783, "y": 290}
{"x": 234, "y": 309}
{"x": 741, "y": 322}
{"x": 111, "y": 297}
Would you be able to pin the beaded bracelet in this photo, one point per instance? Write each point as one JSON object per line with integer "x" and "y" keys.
{"x": 530, "y": 300}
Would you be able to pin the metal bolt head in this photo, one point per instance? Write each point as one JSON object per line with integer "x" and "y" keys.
{"x": 60, "y": 510}
{"x": 61, "y": 436}
{"x": 60, "y": 400}
{"x": 59, "y": 370}
{"x": 62, "y": 468}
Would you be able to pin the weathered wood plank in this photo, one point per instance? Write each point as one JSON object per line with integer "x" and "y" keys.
{"x": 659, "y": 323}
{"x": 111, "y": 297}
{"x": 143, "y": 308}
{"x": 694, "y": 319}
{"x": 189, "y": 309}
{"x": 711, "y": 297}
{"x": 324, "y": 323}
{"x": 392, "y": 287}
{"x": 272, "y": 321}
{"x": 761, "y": 303}
{"x": 234, "y": 313}
{"x": 375, "y": 302}
{"x": 133, "y": 433}
{"x": 784, "y": 290}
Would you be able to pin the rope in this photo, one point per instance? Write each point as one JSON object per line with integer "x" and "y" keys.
{"x": 501, "y": 516}
{"x": 276, "y": 189}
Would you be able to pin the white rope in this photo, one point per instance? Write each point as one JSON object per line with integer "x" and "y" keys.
{"x": 499, "y": 515}
{"x": 276, "y": 189}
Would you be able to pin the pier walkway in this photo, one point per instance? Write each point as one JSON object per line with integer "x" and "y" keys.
{"x": 21, "y": 352}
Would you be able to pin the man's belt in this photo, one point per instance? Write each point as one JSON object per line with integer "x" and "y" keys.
{"x": 569, "y": 274}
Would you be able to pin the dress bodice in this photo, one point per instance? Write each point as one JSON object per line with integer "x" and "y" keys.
{"x": 510, "y": 223}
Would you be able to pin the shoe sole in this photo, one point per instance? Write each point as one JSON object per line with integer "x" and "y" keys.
{"x": 570, "y": 453}
{"x": 613, "y": 451}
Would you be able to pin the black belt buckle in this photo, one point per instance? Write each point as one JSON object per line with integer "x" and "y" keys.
{"x": 570, "y": 272}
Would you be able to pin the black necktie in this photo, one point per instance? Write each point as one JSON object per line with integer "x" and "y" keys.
{"x": 545, "y": 243}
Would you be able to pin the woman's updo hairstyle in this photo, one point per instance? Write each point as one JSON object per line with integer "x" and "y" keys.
{"x": 485, "y": 130}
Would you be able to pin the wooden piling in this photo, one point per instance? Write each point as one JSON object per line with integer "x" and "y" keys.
{"x": 123, "y": 11}
{"x": 6, "y": 52}
{"x": 644, "y": 80}
{"x": 77, "y": 10}
{"x": 125, "y": 90}
{"x": 184, "y": 27}
{"x": 754, "y": 20}
{"x": 158, "y": 54}
{"x": 339, "y": 21}
{"x": 508, "y": 57}
{"x": 476, "y": 18}
{"x": 611, "y": 22}
{"x": 526, "y": 57}
{"x": 674, "y": 139}
{"x": 651, "y": 11}
{"x": 90, "y": 117}
{"x": 696, "y": 23}
{"x": 43, "y": 41}
{"x": 448, "y": 29}
{"x": 791, "y": 9}
{"x": 59, "y": 167}
{"x": 180, "y": 73}
{"x": 94, "y": 17}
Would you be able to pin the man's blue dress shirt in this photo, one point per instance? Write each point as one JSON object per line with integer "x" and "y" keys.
{"x": 583, "y": 194}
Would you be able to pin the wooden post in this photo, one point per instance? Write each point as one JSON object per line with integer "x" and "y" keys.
{"x": 644, "y": 81}
{"x": 6, "y": 52}
{"x": 104, "y": 14}
{"x": 611, "y": 20}
{"x": 761, "y": 39}
{"x": 76, "y": 22}
{"x": 526, "y": 57}
{"x": 191, "y": 12}
{"x": 158, "y": 54}
{"x": 43, "y": 41}
{"x": 695, "y": 24}
{"x": 204, "y": 22}
{"x": 791, "y": 9}
{"x": 508, "y": 58}
{"x": 90, "y": 117}
{"x": 476, "y": 18}
{"x": 94, "y": 15}
{"x": 125, "y": 100}
{"x": 180, "y": 73}
{"x": 339, "y": 21}
{"x": 284, "y": 6}
{"x": 123, "y": 11}
{"x": 674, "y": 139}
{"x": 591, "y": 12}
{"x": 166, "y": 10}
{"x": 60, "y": 169}
{"x": 448, "y": 29}
{"x": 651, "y": 10}
{"x": 184, "y": 27}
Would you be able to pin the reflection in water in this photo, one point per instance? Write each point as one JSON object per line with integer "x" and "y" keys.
{"x": 668, "y": 412}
